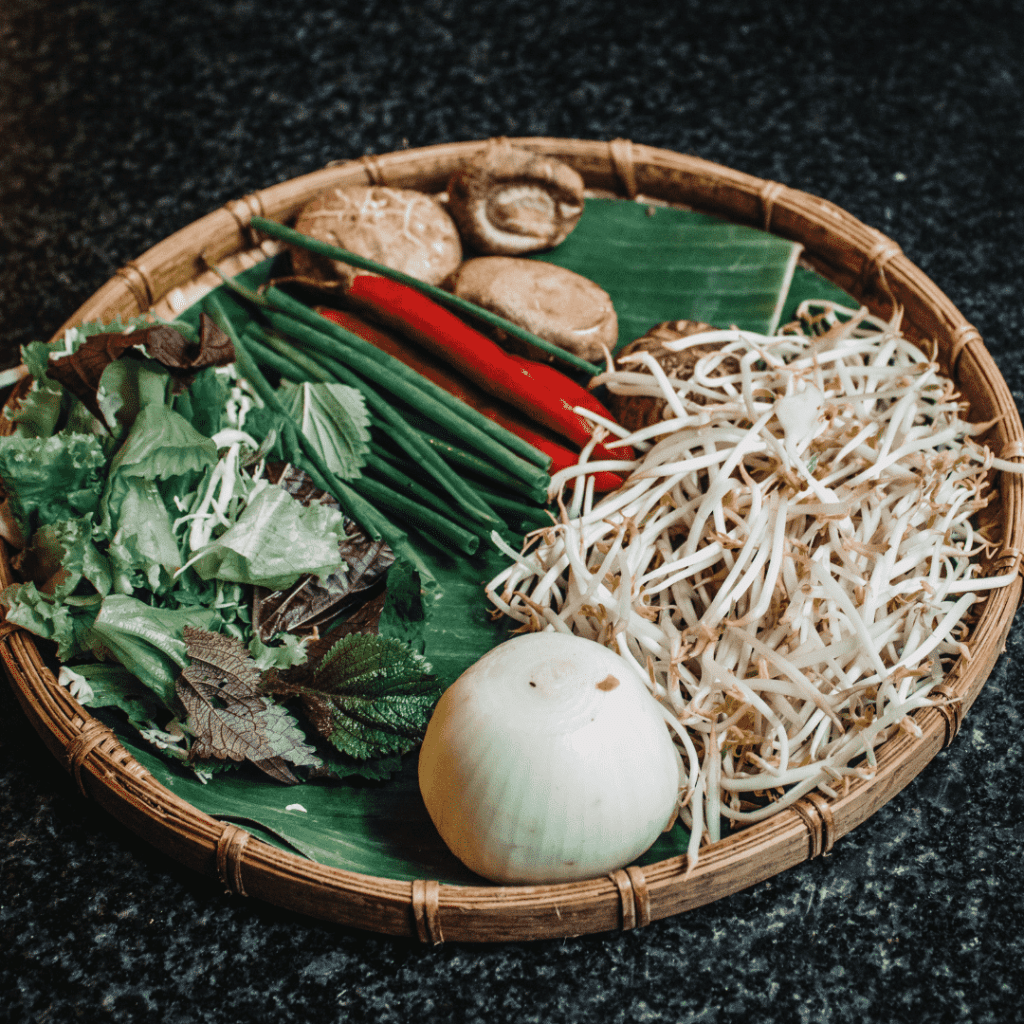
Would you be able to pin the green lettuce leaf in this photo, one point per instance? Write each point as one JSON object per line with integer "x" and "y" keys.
{"x": 51, "y": 478}
{"x": 37, "y": 413}
{"x": 149, "y": 642}
{"x": 36, "y": 357}
{"x": 70, "y": 543}
{"x": 144, "y": 532}
{"x": 286, "y": 650}
{"x": 273, "y": 542}
{"x": 51, "y": 617}
{"x": 110, "y": 685}
{"x": 128, "y": 385}
{"x": 162, "y": 444}
{"x": 203, "y": 402}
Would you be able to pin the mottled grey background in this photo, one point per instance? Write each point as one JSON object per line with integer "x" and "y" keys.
{"x": 124, "y": 120}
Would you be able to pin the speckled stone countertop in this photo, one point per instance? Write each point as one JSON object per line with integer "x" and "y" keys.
{"x": 122, "y": 121}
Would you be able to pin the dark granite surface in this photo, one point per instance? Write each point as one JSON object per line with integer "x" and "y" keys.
{"x": 124, "y": 120}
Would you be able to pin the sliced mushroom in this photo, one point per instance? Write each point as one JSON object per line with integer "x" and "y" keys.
{"x": 558, "y": 305}
{"x": 401, "y": 228}
{"x": 637, "y": 411}
{"x": 509, "y": 201}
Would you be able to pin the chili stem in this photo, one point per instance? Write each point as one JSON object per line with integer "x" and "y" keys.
{"x": 296, "y": 238}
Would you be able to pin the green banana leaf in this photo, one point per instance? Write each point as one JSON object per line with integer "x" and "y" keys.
{"x": 657, "y": 264}
{"x": 661, "y": 263}
{"x": 379, "y": 829}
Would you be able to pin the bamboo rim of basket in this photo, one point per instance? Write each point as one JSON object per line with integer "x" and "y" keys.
{"x": 858, "y": 258}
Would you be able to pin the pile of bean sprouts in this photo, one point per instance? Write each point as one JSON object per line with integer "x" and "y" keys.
{"x": 790, "y": 561}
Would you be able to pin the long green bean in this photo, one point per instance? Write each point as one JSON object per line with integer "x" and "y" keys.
{"x": 390, "y": 472}
{"x": 511, "y": 509}
{"x": 456, "y": 456}
{"x": 415, "y": 445}
{"x": 317, "y": 340}
{"x": 437, "y": 528}
{"x": 295, "y": 367}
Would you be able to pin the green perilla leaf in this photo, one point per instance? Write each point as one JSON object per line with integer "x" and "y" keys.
{"x": 369, "y": 696}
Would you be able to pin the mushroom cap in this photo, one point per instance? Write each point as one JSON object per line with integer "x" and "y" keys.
{"x": 559, "y": 305}
{"x": 509, "y": 201}
{"x": 634, "y": 412}
{"x": 400, "y": 228}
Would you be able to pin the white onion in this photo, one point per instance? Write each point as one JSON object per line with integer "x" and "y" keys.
{"x": 548, "y": 761}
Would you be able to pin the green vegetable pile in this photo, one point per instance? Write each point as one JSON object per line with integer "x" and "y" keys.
{"x": 192, "y": 576}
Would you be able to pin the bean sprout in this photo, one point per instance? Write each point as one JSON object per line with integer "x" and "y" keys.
{"x": 790, "y": 562}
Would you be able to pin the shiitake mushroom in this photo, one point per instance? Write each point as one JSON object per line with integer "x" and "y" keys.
{"x": 404, "y": 229}
{"x": 509, "y": 201}
{"x": 561, "y": 306}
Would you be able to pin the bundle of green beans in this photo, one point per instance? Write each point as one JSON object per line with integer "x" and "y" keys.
{"x": 415, "y": 475}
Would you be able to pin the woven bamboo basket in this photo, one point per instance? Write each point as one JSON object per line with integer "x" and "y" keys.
{"x": 859, "y": 259}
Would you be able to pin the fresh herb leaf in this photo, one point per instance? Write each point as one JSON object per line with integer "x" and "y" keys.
{"x": 81, "y": 371}
{"x": 403, "y": 615}
{"x": 228, "y": 715}
{"x": 335, "y": 419}
{"x": 369, "y": 696}
{"x": 179, "y": 347}
{"x": 84, "y": 372}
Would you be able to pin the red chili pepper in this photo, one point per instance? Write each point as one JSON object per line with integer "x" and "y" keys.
{"x": 561, "y": 456}
{"x": 543, "y": 393}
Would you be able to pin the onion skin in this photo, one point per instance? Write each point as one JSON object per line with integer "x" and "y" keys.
{"x": 548, "y": 761}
